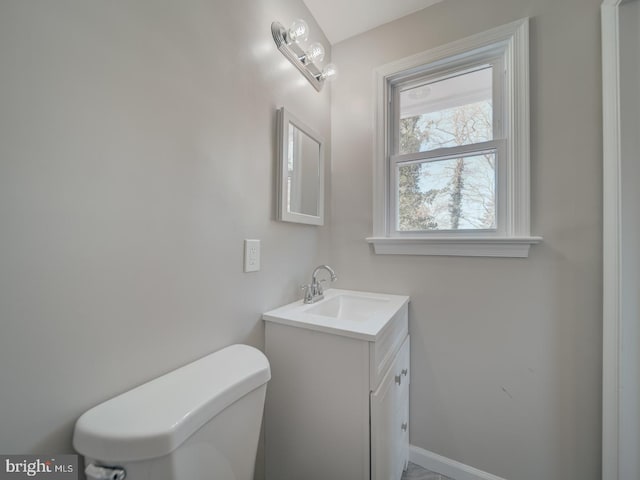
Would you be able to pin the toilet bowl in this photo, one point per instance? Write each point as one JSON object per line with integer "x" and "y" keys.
{"x": 199, "y": 422}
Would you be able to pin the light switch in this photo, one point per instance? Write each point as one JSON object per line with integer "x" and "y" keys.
{"x": 251, "y": 255}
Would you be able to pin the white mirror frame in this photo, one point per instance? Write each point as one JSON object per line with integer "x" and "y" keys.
{"x": 286, "y": 118}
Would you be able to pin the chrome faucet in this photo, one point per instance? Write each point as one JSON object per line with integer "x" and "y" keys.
{"x": 314, "y": 292}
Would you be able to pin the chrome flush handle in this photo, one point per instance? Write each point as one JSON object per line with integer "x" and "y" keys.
{"x": 95, "y": 472}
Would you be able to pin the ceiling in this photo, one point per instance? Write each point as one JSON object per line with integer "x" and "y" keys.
{"x": 341, "y": 19}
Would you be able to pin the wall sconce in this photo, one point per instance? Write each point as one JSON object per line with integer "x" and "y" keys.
{"x": 306, "y": 60}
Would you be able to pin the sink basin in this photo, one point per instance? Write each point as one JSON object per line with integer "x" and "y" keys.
{"x": 348, "y": 307}
{"x": 362, "y": 315}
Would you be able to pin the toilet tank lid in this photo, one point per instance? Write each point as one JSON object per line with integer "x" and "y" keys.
{"x": 157, "y": 417}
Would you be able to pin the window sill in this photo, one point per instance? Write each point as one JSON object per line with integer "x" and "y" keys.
{"x": 515, "y": 247}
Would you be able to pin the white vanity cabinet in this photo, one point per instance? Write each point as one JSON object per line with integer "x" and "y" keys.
{"x": 337, "y": 404}
{"x": 390, "y": 420}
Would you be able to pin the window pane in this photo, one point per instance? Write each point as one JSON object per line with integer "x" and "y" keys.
{"x": 451, "y": 194}
{"x": 447, "y": 113}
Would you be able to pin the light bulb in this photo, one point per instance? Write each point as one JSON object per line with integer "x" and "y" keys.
{"x": 298, "y": 31}
{"x": 315, "y": 53}
{"x": 329, "y": 72}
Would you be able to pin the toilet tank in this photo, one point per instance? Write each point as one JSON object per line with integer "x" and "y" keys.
{"x": 200, "y": 407}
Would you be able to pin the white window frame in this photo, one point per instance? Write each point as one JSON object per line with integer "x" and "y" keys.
{"x": 505, "y": 47}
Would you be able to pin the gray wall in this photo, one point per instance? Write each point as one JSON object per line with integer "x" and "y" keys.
{"x": 137, "y": 145}
{"x": 630, "y": 222}
{"x": 506, "y": 353}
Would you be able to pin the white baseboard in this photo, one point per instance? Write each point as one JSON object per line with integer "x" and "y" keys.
{"x": 446, "y": 466}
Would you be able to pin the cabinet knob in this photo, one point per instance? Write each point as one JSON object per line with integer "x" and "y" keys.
{"x": 404, "y": 427}
{"x": 405, "y": 371}
{"x": 399, "y": 379}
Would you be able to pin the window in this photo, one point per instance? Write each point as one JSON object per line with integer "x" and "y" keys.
{"x": 444, "y": 148}
{"x": 452, "y": 160}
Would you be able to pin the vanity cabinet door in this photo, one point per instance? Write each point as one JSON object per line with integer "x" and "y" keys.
{"x": 403, "y": 440}
{"x": 390, "y": 420}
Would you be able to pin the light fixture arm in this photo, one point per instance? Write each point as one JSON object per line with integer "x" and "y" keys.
{"x": 297, "y": 56}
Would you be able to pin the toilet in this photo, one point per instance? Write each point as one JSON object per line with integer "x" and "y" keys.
{"x": 199, "y": 422}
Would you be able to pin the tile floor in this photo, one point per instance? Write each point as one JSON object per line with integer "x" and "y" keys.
{"x": 415, "y": 472}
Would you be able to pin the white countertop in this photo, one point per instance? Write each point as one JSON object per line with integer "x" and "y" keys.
{"x": 367, "y": 325}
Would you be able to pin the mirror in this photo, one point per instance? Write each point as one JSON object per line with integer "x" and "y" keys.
{"x": 300, "y": 171}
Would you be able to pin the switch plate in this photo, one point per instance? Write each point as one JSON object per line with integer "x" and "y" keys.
{"x": 251, "y": 255}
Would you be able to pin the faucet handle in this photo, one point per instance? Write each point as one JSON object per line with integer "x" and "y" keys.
{"x": 308, "y": 295}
